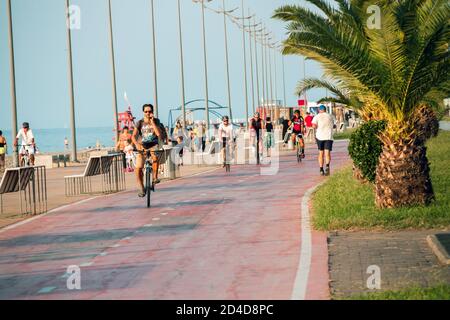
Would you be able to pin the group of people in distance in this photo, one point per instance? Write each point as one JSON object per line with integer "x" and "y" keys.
{"x": 148, "y": 134}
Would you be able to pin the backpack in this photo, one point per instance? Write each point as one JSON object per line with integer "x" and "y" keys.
{"x": 162, "y": 129}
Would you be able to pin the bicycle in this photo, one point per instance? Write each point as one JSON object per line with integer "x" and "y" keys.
{"x": 25, "y": 156}
{"x": 227, "y": 156}
{"x": 300, "y": 147}
{"x": 149, "y": 186}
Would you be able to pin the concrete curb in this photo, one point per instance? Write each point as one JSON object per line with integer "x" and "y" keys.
{"x": 438, "y": 249}
{"x": 304, "y": 266}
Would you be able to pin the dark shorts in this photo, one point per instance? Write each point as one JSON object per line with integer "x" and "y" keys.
{"x": 325, "y": 144}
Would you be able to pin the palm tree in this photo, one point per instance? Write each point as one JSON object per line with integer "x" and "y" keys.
{"x": 399, "y": 72}
{"x": 341, "y": 95}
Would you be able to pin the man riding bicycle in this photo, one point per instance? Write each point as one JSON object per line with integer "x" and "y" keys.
{"x": 28, "y": 145}
{"x": 298, "y": 130}
{"x": 226, "y": 136}
{"x": 147, "y": 137}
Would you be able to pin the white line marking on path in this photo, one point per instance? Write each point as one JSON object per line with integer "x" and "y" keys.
{"x": 87, "y": 264}
{"x": 47, "y": 290}
{"x": 164, "y": 213}
{"x": 301, "y": 279}
{"x": 156, "y": 219}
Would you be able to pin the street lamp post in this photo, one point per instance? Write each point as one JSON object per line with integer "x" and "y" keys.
{"x": 155, "y": 71}
{"x": 264, "y": 96}
{"x": 251, "y": 69}
{"x": 71, "y": 90}
{"x": 113, "y": 66}
{"x": 269, "y": 50}
{"x": 12, "y": 82}
{"x": 183, "y": 94}
{"x": 275, "y": 74}
{"x": 245, "y": 60}
{"x": 256, "y": 68}
{"x": 266, "y": 65}
{"x": 205, "y": 65}
{"x": 284, "y": 81}
{"x": 226, "y": 60}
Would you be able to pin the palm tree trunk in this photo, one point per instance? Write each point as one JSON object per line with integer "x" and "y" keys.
{"x": 403, "y": 175}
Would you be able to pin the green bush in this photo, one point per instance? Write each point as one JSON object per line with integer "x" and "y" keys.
{"x": 365, "y": 148}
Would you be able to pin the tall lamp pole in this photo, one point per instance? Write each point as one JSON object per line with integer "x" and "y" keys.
{"x": 113, "y": 66}
{"x": 12, "y": 82}
{"x": 205, "y": 60}
{"x": 245, "y": 61}
{"x": 251, "y": 68}
{"x": 284, "y": 81}
{"x": 226, "y": 60}
{"x": 269, "y": 50}
{"x": 263, "y": 77}
{"x": 276, "y": 75}
{"x": 71, "y": 91}
{"x": 266, "y": 61}
{"x": 155, "y": 71}
{"x": 183, "y": 94}
{"x": 256, "y": 68}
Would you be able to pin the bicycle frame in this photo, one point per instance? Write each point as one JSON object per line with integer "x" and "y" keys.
{"x": 228, "y": 155}
{"x": 299, "y": 147}
{"x": 148, "y": 172}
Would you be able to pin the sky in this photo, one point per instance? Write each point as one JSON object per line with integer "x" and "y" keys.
{"x": 42, "y": 68}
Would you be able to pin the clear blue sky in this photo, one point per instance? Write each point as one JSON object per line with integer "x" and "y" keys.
{"x": 41, "y": 59}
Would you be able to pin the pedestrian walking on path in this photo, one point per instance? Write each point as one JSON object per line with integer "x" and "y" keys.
{"x": 323, "y": 123}
{"x": 66, "y": 143}
{"x": 256, "y": 127}
{"x": 269, "y": 137}
{"x": 121, "y": 144}
{"x": 3, "y": 150}
{"x": 310, "y": 132}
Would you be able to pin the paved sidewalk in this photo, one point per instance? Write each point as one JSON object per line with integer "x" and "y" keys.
{"x": 210, "y": 236}
{"x": 444, "y": 125}
{"x": 404, "y": 258}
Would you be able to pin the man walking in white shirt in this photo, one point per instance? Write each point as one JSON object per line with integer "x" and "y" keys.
{"x": 323, "y": 123}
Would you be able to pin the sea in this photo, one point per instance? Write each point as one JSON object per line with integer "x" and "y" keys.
{"x": 52, "y": 140}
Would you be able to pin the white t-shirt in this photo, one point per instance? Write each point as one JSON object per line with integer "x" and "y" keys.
{"x": 324, "y": 122}
{"x": 226, "y": 131}
{"x": 27, "y": 138}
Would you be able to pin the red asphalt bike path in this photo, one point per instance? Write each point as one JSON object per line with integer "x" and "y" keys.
{"x": 212, "y": 236}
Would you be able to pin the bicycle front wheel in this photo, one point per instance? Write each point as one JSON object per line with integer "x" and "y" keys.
{"x": 299, "y": 154}
{"x": 148, "y": 184}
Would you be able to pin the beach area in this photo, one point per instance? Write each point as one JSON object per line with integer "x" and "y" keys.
{"x": 52, "y": 140}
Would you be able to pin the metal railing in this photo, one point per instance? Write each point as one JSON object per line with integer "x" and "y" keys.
{"x": 31, "y": 185}
{"x": 110, "y": 171}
